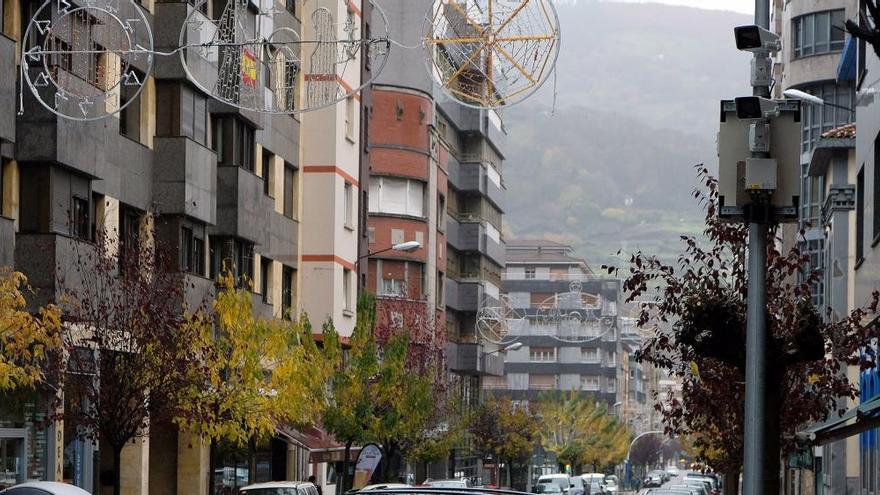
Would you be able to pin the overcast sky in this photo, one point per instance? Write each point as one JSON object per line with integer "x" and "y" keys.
{"x": 743, "y": 6}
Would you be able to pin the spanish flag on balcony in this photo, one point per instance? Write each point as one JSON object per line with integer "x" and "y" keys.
{"x": 248, "y": 68}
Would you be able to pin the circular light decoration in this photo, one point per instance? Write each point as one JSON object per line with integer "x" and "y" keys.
{"x": 254, "y": 60}
{"x": 87, "y": 61}
{"x": 491, "y": 53}
{"x": 498, "y": 324}
{"x": 570, "y": 318}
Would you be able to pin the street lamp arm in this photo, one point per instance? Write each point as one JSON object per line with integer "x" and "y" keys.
{"x": 640, "y": 435}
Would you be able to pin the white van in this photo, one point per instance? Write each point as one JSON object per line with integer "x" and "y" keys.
{"x": 561, "y": 480}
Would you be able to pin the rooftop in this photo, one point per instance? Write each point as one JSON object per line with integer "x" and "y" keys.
{"x": 847, "y": 131}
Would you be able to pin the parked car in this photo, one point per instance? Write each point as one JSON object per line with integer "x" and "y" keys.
{"x": 548, "y": 488}
{"x": 280, "y": 488}
{"x": 44, "y": 488}
{"x": 385, "y": 486}
{"x": 577, "y": 486}
{"x": 610, "y": 486}
{"x": 561, "y": 480}
{"x": 653, "y": 480}
{"x": 596, "y": 488}
{"x": 672, "y": 470}
{"x": 591, "y": 477}
{"x": 452, "y": 483}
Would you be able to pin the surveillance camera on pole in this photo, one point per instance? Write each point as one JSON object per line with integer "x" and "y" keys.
{"x": 762, "y": 43}
{"x": 756, "y": 39}
{"x": 756, "y": 108}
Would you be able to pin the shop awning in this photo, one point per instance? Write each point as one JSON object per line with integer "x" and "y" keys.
{"x": 321, "y": 445}
{"x": 863, "y": 417}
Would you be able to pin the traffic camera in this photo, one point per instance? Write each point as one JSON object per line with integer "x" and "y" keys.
{"x": 755, "y": 108}
{"x": 756, "y": 39}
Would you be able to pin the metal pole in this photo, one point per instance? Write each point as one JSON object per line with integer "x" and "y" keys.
{"x": 755, "y": 430}
{"x": 756, "y": 362}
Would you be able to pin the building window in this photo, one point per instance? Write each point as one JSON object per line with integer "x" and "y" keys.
{"x": 860, "y": 215}
{"x": 129, "y": 233}
{"x": 349, "y": 118}
{"x": 876, "y": 216}
{"x": 235, "y": 255}
{"x": 130, "y": 116}
{"x": 590, "y": 355}
{"x": 397, "y": 196}
{"x": 186, "y": 249}
{"x": 393, "y": 287}
{"x": 590, "y": 383}
{"x": 542, "y": 382}
{"x": 441, "y": 213}
{"x": 542, "y": 354}
{"x": 530, "y": 273}
{"x": 611, "y": 360}
{"x": 198, "y": 257}
{"x": 287, "y": 292}
{"x": 819, "y": 32}
{"x": 346, "y": 288}
{"x": 234, "y": 141}
{"x": 79, "y": 222}
{"x": 612, "y": 385}
{"x": 289, "y": 190}
{"x": 266, "y": 279}
{"x": 186, "y": 113}
{"x": 818, "y": 119}
{"x": 349, "y": 205}
{"x": 266, "y": 170}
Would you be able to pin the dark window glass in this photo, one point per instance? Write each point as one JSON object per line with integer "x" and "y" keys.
{"x": 876, "y": 216}
{"x": 186, "y": 249}
{"x": 860, "y": 214}
{"x": 265, "y": 273}
{"x": 217, "y": 137}
{"x": 129, "y": 234}
{"x": 289, "y": 181}
{"x": 79, "y": 222}
{"x": 130, "y": 116}
{"x": 244, "y": 145}
{"x": 198, "y": 256}
{"x": 286, "y": 292}
{"x": 266, "y": 171}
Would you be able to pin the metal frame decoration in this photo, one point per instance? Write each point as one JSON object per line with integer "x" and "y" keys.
{"x": 86, "y": 61}
{"x": 491, "y": 53}
{"x": 256, "y": 65}
{"x": 568, "y": 317}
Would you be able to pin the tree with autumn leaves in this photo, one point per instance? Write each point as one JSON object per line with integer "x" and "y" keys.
{"x": 581, "y": 431}
{"x": 696, "y": 311}
{"x": 503, "y": 432}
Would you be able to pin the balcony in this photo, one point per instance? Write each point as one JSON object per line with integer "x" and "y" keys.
{"x": 185, "y": 178}
{"x": 7, "y": 90}
{"x": 469, "y": 295}
{"x": 242, "y": 208}
{"x": 7, "y": 242}
{"x": 470, "y": 359}
{"x": 283, "y": 239}
{"x": 474, "y": 177}
{"x": 47, "y": 258}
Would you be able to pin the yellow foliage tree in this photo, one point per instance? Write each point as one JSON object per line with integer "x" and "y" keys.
{"x": 26, "y": 340}
{"x": 263, "y": 373}
{"x": 580, "y": 431}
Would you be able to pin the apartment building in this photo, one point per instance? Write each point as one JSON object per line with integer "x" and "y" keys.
{"x": 567, "y": 322}
{"x": 229, "y": 187}
{"x": 331, "y": 187}
{"x": 813, "y": 39}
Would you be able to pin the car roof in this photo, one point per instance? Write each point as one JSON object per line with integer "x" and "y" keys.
{"x": 382, "y": 486}
{"x": 557, "y": 475}
{"x": 53, "y": 487}
{"x": 277, "y": 484}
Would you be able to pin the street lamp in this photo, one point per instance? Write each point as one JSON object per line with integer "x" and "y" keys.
{"x": 629, "y": 451}
{"x": 405, "y": 247}
{"x": 512, "y": 347}
{"x": 812, "y": 99}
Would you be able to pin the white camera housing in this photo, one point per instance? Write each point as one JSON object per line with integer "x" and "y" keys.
{"x": 756, "y": 39}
